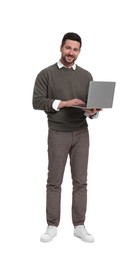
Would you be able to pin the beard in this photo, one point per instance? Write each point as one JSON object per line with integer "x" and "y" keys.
{"x": 68, "y": 59}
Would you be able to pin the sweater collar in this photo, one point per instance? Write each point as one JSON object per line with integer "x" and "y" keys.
{"x": 60, "y": 65}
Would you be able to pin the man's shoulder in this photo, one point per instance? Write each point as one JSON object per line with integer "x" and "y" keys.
{"x": 49, "y": 68}
{"x": 83, "y": 71}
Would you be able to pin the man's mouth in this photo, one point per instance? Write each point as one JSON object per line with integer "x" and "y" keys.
{"x": 70, "y": 57}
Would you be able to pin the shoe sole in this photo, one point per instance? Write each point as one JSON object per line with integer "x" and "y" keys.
{"x": 83, "y": 239}
{"x": 49, "y": 240}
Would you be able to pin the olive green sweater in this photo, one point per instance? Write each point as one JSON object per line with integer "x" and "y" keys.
{"x": 63, "y": 84}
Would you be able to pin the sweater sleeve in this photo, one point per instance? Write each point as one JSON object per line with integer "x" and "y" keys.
{"x": 40, "y": 94}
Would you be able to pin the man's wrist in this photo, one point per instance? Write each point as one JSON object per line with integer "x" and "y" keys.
{"x": 62, "y": 104}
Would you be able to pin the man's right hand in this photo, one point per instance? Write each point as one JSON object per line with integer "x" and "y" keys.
{"x": 70, "y": 103}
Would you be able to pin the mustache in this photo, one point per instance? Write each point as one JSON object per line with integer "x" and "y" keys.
{"x": 70, "y": 56}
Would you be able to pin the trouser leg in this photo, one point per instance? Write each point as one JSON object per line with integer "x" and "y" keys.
{"x": 58, "y": 149}
{"x": 79, "y": 161}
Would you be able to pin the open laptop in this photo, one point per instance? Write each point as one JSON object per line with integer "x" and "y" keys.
{"x": 100, "y": 95}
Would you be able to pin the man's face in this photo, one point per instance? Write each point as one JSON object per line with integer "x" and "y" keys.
{"x": 69, "y": 52}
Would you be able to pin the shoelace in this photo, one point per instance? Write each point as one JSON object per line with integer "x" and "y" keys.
{"x": 49, "y": 229}
{"x": 83, "y": 229}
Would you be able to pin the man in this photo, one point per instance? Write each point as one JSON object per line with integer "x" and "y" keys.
{"x": 57, "y": 89}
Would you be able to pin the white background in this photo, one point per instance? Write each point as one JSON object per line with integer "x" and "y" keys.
{"x": 31, "y": 33}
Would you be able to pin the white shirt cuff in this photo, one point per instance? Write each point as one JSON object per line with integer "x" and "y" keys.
{"x": 55, "y": 104}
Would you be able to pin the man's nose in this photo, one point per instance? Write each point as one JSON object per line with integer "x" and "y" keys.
{"x": 71, "y": 52}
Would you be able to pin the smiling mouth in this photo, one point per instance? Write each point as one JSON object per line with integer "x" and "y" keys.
{"x": 70, "y": 57}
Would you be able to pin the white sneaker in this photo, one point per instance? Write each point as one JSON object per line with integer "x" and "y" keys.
{"x": 81, "y": 232}
{"x": 50, "y": 233}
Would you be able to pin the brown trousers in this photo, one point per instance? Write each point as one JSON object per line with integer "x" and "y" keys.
{"x": 60, "y": 145}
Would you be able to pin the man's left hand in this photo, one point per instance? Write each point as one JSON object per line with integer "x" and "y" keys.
{"x": 93, "y": 111}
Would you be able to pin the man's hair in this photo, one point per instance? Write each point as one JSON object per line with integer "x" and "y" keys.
{"x": 71, "y": 36}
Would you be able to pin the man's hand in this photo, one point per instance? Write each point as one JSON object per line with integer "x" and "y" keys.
{"x": 70, "y": 103}
{"x": 93, "y": 111}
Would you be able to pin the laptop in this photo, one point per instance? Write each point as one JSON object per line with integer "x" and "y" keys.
{"x": 100, "y": 95}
